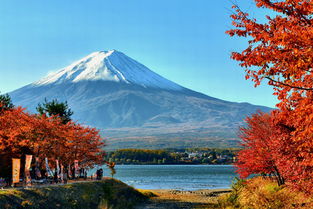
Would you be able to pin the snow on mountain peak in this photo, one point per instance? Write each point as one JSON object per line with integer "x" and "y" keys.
{"x": 108, "y": 66}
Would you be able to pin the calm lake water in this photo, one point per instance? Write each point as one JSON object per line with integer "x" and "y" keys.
{"x": 180, "y": 177}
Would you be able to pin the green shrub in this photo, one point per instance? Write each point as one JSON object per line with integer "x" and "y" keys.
{"x": 231, "y": 200}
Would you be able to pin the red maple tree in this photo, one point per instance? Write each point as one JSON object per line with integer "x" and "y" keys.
{"x": 23, "y": 133}
{"x": 280, "y": 50}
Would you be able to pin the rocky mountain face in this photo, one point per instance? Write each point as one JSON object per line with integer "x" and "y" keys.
{"x": 135, "y": 106}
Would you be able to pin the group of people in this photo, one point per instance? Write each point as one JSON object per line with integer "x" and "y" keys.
{"x": 82, "y": 174}
{"x": 59, "y": 177}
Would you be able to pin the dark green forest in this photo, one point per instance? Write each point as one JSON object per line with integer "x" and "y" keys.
{"x": 173, "y": 156}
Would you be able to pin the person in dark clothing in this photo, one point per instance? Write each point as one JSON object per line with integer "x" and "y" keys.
{"x": 55, "y": 177}
{"x": 73, "y": 173}
{"x": 100, "y": 174}
{"x": 33, "y": 172}
{"x": 65, "y": 176}
{"x": 85, "y": 175}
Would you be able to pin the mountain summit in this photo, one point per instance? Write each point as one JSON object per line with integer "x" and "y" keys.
{"x": 108, "y": 66}
{"x": 136, "y": 107}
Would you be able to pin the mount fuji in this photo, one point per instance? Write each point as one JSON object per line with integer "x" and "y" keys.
{"x": 109, "y": 66}
{"x": 135, "y": 107}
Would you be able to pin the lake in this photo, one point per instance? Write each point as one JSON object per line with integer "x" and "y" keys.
{"x": 179, "y": 177}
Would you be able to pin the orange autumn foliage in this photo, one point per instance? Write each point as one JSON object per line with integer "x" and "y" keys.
{"x": 258, "y": 155}
{"x": 280, "y": 50}
{"x": 23, "y": 133}
{"x": 14, "y": 131}
{"x": 269, "y": 148}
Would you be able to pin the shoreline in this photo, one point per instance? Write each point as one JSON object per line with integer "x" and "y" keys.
{"x": 172, "y": 164}
{"x": 199, "y": 191}
{"x": 175, "y": 199}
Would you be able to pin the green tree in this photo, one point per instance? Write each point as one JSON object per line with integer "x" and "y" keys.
{"x": 111, "y": 166}
{"x": 5, "y": 102}
{"x": 55, "y": 108}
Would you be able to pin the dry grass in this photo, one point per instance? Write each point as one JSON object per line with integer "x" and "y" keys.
{"x": 261, "y": 193}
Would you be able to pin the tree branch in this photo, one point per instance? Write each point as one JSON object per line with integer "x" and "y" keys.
{"x": 284, "y": 84}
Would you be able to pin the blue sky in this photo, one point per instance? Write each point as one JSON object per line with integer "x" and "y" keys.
{"x": 182, "y": 40}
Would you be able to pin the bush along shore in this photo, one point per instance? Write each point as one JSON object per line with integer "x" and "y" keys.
{"x": 108, "y": 193}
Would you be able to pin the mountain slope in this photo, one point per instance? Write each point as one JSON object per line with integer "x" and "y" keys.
{"x": 131, "y": 103}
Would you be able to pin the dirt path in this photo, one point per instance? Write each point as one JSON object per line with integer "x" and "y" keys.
{"x": 173, "y": 199}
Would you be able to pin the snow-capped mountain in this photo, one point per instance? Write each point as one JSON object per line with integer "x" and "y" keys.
{"x": 136, "y": 107}
{"x": 108, "y": 66}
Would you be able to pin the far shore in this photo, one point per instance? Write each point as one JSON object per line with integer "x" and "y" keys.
{"x": 171, "y": 164}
